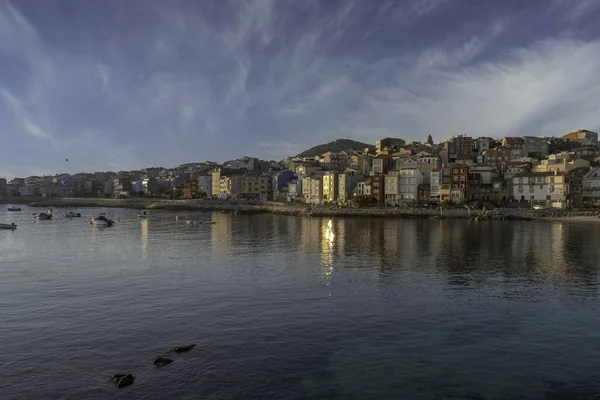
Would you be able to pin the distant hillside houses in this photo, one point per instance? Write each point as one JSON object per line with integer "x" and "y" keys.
{"x": 561, "y": 171}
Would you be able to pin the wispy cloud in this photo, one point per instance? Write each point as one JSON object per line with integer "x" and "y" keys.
{"x": 23, "y": 116}
{"x": 217, "y": 80}
{"x": 574, "y": 11}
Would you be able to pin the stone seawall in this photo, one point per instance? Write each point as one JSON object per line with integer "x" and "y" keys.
{"x": 240, "y": 207}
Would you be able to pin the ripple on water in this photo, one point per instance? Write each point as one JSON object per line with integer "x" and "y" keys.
{"x": 299, "y": 308}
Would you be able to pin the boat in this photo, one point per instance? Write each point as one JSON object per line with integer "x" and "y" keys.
{"x": 143, "y": 214}
{"x": 71, "y": 214}
{"x": 208, "y": 222}
{"x": 44, "y": 217}
{"x": 13, "y": 208}
{"x": 102, "y": 221}
{"x": 8, "y": 226}
{"x": 189, "y": 221}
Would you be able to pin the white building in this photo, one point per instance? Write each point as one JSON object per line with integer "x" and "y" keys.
{"x": 410, "y": 179}
{"x": 591, "y": 184}
{"x": 363, "y": 188}
{"x": 546, "y": 187}
{"x": 346, "y": 183}
{"x": 482, "y": 144}
{"x": 312, "y": 189}
{"x": 295, "y": 188}
{"x": 392, "y": 188}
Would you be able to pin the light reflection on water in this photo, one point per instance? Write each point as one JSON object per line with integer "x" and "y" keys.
{"x": 145, "y": 227}
{"x": 327, "y": 250}
{"x": 286, "y": 307}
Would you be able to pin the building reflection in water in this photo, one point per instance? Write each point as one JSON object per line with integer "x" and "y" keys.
{"x": 220, "y": 238}
{"x": 145, "y": 228}
{"x": 495, "y": 254}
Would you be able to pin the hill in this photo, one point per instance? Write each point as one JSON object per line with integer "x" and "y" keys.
{"x": 335, "y": 146}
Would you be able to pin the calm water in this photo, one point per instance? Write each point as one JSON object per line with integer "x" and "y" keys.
{"x": 292, "y": 308}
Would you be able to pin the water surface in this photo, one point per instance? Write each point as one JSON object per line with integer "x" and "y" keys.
{"x": 298, "y": 308}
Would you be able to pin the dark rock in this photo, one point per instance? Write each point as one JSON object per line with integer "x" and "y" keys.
{"x": 122, "y": 380}
{"x": 181, "y": 349}
{"x": 162, "y": 361}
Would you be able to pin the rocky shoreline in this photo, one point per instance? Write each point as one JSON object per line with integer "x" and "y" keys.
{"x": 308, "y": 210}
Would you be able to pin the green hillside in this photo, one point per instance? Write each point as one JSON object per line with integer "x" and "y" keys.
{"x": 335, "y": 146}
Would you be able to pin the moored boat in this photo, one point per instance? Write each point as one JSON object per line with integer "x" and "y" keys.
{"x": 102, "y": 221}
{"x": 44, "y": 217}
{"x": 71, "y": 214}
{"x": 13, "y": 208}
{"x": 8, "y": 226}
{"x": 143, "y": 214}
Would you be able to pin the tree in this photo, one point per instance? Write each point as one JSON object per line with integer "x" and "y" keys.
{"x": 177, "y": 193}
{"x": 429, "y": 140}
{"x": 364, "y": 200}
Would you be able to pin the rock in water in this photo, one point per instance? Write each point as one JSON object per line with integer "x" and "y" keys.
{"x": 162, "y": 361}
{"x": 181, "y": 349}
{"x": 123, "y": 380}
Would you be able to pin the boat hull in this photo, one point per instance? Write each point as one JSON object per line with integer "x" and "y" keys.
{"x": 8, "y": 227}
{"x": 98, "y": 223}
{"x": 102, "y": 222}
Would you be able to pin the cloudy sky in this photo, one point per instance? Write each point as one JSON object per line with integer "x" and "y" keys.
{"x": 119, "y": 84}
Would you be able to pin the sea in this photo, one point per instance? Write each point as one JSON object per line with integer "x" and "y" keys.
{"x": 285, "y": 307}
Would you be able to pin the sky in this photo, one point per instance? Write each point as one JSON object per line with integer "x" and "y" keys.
{"x": 115, "y": 84}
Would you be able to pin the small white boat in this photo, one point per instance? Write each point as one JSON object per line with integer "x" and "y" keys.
{"x": 189, "y": 221}
{"x": 8, "y": 226}
{"x": 13, "y": 208}
{"x": 102, "y": 221}
{"x": 71, "y": 214}
{"x": 143, "y": 214}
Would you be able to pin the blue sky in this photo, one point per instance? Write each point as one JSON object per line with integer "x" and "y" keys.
{"x": 119, "y": 84}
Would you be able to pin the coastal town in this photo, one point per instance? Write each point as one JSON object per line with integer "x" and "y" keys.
{"x": 529, "y": 171}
